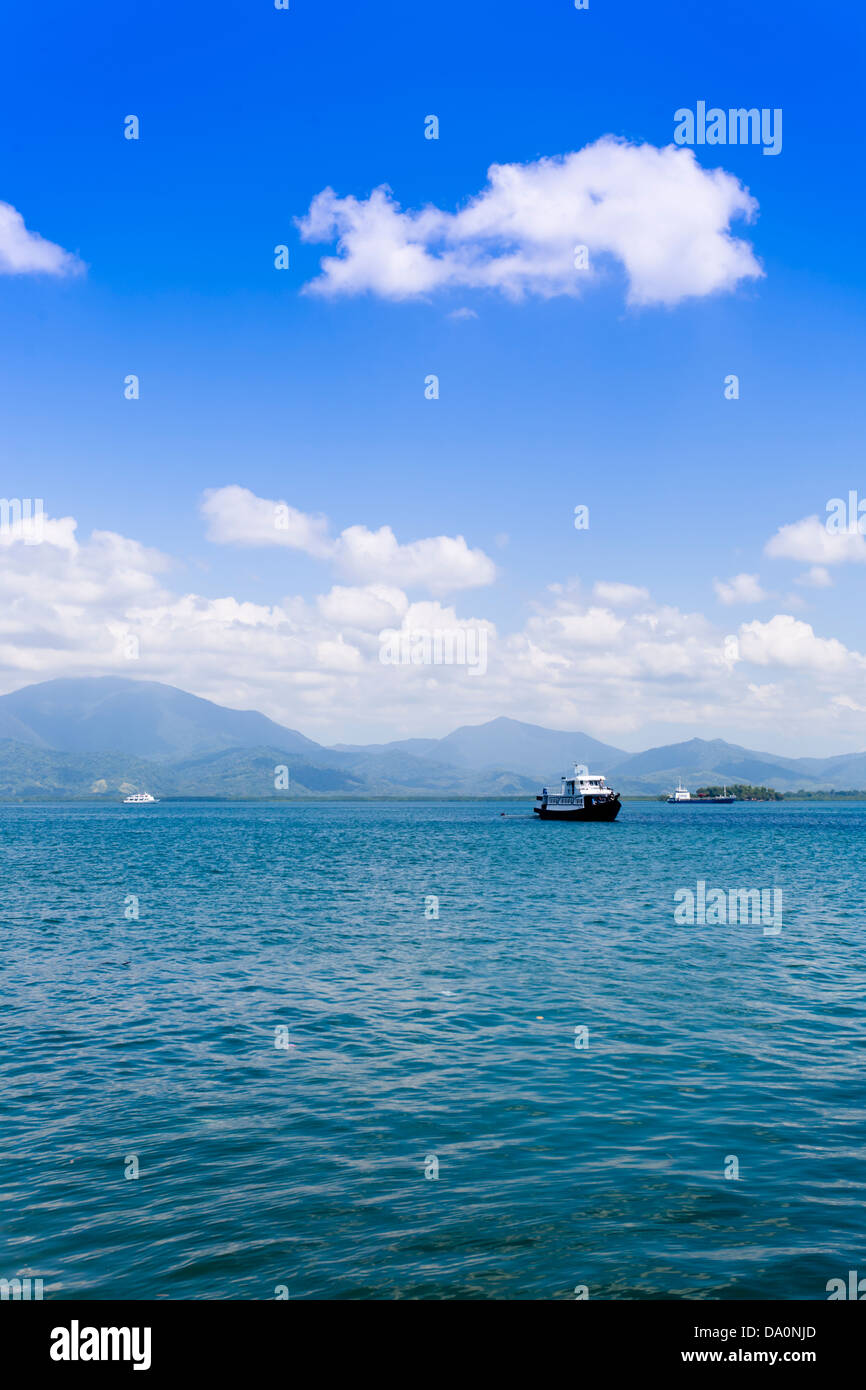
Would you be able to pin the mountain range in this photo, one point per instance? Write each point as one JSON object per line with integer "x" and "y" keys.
{"x": 102, "y": 736}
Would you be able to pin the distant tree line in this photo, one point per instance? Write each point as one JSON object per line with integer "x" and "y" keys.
{"x": 743, "y": 791}
{"x": 832, "y": 794}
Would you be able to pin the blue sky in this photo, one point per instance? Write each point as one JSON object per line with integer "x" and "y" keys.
{"x": 546, "y": 401}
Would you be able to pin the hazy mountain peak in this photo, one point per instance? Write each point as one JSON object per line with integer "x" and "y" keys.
{"x": 144, "y": 718}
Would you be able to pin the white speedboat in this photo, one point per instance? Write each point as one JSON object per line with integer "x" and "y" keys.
{"x": 140, "y": 799}
{"x": 581, "y": 797}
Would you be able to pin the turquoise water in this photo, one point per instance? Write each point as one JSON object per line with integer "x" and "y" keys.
{"x": 414, "y": 1038}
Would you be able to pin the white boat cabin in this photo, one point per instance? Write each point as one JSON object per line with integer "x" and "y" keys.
{"x": 575, "y": 788}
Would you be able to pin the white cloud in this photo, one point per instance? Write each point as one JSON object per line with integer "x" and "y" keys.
{"x": 27, "y": 253}
{"x": 338, "y": 655}
{"x": 619, "y": 595}
{"x": 847, "y": 702}
{"x": 810, "y": 542}
{"x": 58, "y": 598}
{"x": 370, "y": 609}
{"x": 440, "y": 564}
{"x": 56, "y": 532}
{"x": 68, "y": 606}
{"x": 788, "y": 641}
{"x": 657, "y": 212}
{"x": 743, "y": 588}
{"x": 600, "y": 651}
{"x": 431, "y": 615}
{"x": 815, "y": 578}
{"x": 596, "y": 627}
{"x": 236, "y": 516}
{"x": 769, "y": 695}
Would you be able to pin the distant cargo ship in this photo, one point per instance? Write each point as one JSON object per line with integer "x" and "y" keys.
{"x": 581, "y": 797}
{"x": 682, "y": 797}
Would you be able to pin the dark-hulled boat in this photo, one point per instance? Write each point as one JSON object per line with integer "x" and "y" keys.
{"x": 683, "y": 797}
{"x": 581, "y": 797}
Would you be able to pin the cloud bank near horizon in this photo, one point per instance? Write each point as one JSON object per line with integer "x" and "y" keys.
{"x": 610, "y": 659}
{"x": 655, "y": 211}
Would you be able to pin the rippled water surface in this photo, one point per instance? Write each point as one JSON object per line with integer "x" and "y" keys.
{"x": 414, "y": 1038}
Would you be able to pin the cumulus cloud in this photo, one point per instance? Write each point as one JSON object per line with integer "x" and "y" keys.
{"x": 338, "y": 655}
{"x": 815, "y": 578}
{"x": 788, "y": 641}
{"x": 810, "y": 542}
{"x": 440, "y": 564}
{"x": 371, "y": 608}
{"x": 23, "y": 252}
{"x": 619, "y": 595}
{"x": 31, "y": 525}
{"x": 60, "y": 599}
{"x": 602, "y": 649}
{"x": 236, "y": 516}
{"x": 656, "y": 212}
{"x": 743, "y": 588}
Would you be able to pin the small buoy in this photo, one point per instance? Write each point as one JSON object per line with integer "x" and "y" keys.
{"x": 540, "y": 1017}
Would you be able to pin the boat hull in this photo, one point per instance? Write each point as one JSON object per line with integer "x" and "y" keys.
{"x": 703, "y": 801}
{"x": 607, "y": 808}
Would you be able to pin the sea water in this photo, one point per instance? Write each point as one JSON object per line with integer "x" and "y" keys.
{"x": 425, "y": 1050}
